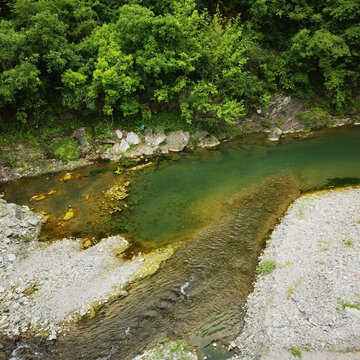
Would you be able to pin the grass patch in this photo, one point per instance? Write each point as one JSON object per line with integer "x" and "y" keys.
{"x": 345, "y": 304}
{"x": 266, "y": 123}
{"x": 266, "y": 267}
{"x": 65, "y": 149}
{"x": 102, "y": 131}
{"x": 290, "y": 291}
{"x": 348, "y": 243}
{"x": 295, "y": 351}
{"x": 280, "y": 122}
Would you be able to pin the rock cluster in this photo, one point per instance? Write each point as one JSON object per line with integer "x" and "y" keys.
{"x": 18, "y": 228}
{"x": 136, "y": 145}
{"x": 310, "y": 303}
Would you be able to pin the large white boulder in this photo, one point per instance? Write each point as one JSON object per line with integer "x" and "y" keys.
{"x": 177, "y": 140}
{"x": 132, "y": 138}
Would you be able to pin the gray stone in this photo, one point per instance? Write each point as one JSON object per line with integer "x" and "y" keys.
{"x": 200, "y": 134}
{"x": 11, "y": 257}
{"x": 146, "y": 149}
{"x": 159, "y": 138}
{"x": 132, "y": 138}
{"x": 354, "y": 313}
{"x": 15, "y": 306}
{"x": 209, "y": 142}
{"x": 177, "y": 140}
{"x": 114, "y": 149}
{"x": 80, "y": 136}
{"x": 164, "y": 149}
{"x": 155, "y": 139}
{"x": 275, "y": 135}
{"x": 119, "y": 148}
{"x": 119, "y": 133}
{"x": 34, "y": 221}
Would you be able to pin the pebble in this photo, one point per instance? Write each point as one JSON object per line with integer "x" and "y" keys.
{"x": 11, "y": 257}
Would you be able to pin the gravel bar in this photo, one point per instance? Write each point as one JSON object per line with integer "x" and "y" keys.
{"x": 309, "y": 305}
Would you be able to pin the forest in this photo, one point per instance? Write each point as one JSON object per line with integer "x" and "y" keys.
{"x": 204, "y": 61}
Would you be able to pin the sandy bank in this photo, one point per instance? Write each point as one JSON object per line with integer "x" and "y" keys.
{"x": 309, "y": 305}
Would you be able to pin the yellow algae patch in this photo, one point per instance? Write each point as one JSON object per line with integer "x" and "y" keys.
{"x": 151, "y": 262}
{"x": 38, "y": 197}
{"x": 66, "y": 177}
{"x": 117, "y": 192}
{"x": 86, "y": 196}
{"x": 43, "y": 196}
{"x": 47, "y": 216}
{"x": 140, "y": 167}
{"x": 69, "y": 214}
{"x": 86, "y": 244}
{"x": 69, "y": 176}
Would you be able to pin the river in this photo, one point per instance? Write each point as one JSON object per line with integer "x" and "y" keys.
{"x": 218, "y": 206}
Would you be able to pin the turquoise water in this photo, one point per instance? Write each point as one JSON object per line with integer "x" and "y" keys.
{"x": 173, "y": 199}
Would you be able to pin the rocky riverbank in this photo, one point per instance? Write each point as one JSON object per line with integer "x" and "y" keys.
{"x": 306, "y": 301}
{"x": 283, "y": 116}
{"x": 45, "y": 286}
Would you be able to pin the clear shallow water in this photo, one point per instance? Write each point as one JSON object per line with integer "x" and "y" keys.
{"x": 221, "y": 204}
{"x": 180, "y": 197}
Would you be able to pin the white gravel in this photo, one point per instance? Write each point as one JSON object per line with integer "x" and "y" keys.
{"x": 44, "y": 286}
{"x": 298, "y": 306}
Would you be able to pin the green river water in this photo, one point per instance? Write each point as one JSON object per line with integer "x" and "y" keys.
{"x": 221, "y": 204}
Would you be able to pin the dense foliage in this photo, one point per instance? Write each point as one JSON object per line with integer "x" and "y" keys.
{"x": 135, "y": 58}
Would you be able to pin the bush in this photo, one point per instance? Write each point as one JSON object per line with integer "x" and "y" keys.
{"x": 266, "y": 267}
{"x": 65, "y": 149}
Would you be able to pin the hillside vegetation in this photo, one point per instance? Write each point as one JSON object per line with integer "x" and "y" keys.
{"x": 201, "y": 61}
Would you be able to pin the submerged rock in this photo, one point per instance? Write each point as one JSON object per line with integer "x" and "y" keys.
{"x": 43, "y": 196}
{"x": 69, "y": 214}
{"x": 209, "y": 142}
{"x": 275, "y": 135}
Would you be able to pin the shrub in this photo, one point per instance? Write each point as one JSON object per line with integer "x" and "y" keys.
{"x": 266, "y": 267}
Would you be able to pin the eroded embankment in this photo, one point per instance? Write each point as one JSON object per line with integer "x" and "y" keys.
{"x": 309, "y": 305}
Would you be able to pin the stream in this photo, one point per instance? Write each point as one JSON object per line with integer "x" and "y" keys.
{"x": 218, "y": 206}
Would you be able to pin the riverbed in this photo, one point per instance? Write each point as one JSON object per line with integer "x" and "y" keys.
{"x": 218, "y": 206}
